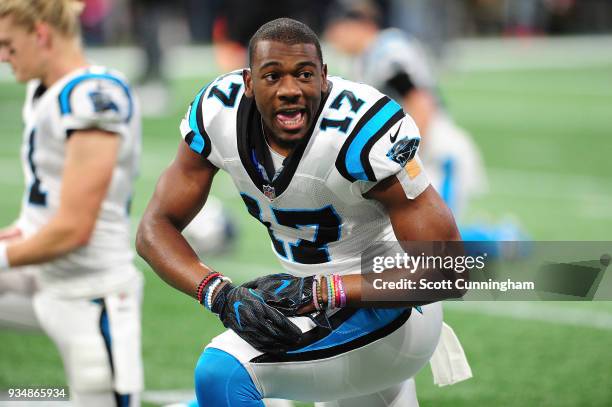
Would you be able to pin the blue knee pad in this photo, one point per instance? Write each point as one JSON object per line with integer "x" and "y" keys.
{"x": 222, "y": 381}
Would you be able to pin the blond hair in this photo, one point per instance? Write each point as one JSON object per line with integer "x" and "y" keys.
{"x": 63, "y": 15}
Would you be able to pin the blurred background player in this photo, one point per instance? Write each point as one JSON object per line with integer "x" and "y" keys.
{"x": 80, "y": 153}
{"x": 397, "y": 64}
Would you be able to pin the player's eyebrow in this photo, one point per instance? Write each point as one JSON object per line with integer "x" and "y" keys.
{"x": 305, "y": 63}
{"x": 298, "y": 65}
{"x": 269, "y": 63}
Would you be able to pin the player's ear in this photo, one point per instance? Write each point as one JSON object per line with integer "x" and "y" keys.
{"x": 325, "y": 86}
{"x": 248, "y": 82}
{"x": 43, "y": 34}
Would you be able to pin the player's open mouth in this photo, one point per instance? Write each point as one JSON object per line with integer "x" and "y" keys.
{"x": 291, "y": 119}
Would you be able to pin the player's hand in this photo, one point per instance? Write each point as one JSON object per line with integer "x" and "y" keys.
{"x": 244, "y": 311}
{"x": 289, "y": 294}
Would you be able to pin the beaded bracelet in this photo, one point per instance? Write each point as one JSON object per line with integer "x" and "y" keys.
{"x": 330, "y": 292}
{"x": 320, "y": 293}
{"x": 211, "y": 290}
{"x": 203, "y": 283}
{"x": 315, "y": 302}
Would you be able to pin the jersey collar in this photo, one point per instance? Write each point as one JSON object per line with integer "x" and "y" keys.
{"x": 255, "y": 155}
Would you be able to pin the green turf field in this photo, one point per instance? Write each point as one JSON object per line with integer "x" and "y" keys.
{"x": 546, "y": 136}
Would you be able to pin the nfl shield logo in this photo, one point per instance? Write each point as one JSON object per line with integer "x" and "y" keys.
{"x": 269, "y": 191}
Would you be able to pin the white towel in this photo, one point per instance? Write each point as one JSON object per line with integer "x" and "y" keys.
{"x": 448, "y": 363}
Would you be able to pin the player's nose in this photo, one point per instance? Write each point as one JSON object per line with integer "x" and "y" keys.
{"x": 288, "y": 88}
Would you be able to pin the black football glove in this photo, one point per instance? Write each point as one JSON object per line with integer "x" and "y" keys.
{"x": 244, "y": 311}
{"x": 283, "y": 291}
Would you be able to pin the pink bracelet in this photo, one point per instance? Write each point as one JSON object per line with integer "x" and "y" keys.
{"x": 315, "y": 302}
{"x": 342, "y": 292}
{"x": 335, "y": 290}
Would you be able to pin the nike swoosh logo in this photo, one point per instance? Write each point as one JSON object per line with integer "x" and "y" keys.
{"x": 394, "y": 137}
{"x": 254, "y": 294}
{"x": 282, "y": 286}
{"x": 237, "y": 305}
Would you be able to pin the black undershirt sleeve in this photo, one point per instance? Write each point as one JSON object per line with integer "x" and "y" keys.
{"x": 401, "y": 83}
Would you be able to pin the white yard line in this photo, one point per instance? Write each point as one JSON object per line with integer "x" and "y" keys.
{"x": 507, "y": 54}
{"x": 163, "y": 397}
{"x": 542, "y": 312}
{"x": 585, "y": 189}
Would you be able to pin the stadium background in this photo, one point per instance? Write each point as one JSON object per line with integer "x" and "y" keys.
{"x": 536, "y": 97}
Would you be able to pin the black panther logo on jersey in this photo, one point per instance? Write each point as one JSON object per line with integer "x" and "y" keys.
{"x": 404, "y": 150}
{"x": 102, "y": 102}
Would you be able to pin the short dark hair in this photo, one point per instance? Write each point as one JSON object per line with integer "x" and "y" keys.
{"x": 287, "y": 31}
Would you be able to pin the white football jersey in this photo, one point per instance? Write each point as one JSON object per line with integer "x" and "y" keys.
{"x": 314, "y": 209}
{"x": 89, "y": 98}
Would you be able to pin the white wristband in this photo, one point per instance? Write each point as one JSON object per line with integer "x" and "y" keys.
{"x": 4, "y": 263}
{"x": 211, "y": 290}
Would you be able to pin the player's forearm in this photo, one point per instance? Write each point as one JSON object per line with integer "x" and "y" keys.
{"x": 88, "y": 167}
{"x": 60, "y": 236}
{"x": 392, "y": 288}
{"x": 179, "y": 195}
{"x": 163, "y": 247}
{"x": 373, "y": 291}
{"x": 381, "y": 290}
